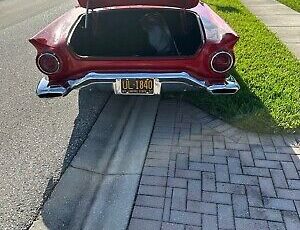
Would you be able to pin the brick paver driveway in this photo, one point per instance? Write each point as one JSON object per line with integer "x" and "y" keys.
{"x": 202, "y": 173}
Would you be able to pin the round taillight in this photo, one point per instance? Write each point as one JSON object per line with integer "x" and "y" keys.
{"x": 221, "y": 62}
{"x": 48, "y": 63}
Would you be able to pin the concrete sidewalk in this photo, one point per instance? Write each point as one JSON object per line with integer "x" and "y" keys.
{"x": 280, "y": 19}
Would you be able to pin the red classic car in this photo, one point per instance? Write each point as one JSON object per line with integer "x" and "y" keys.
{"x": 136, "y": 47}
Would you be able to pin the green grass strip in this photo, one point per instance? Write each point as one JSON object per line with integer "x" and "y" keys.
{"x": 294, "y": 4}
{"x": 269, "y": 75}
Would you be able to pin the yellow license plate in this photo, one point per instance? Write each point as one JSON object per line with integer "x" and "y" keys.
{"x": 137, "y": 86}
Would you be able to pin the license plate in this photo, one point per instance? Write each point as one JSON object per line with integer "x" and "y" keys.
{"x": 137, "y": 86}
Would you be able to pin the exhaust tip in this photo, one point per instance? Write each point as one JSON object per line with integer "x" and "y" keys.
{"x": 224, "y": 91}
{"x": 50, "y": 95}
{"x": 44, "y": 90}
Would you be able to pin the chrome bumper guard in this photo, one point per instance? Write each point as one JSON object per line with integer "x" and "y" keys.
{"x": 230, "y": 86}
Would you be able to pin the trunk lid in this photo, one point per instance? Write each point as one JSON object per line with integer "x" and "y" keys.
{"x": 185, "y": 4}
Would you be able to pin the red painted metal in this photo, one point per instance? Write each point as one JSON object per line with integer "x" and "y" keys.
{"x": 187, "y": 4}
{"x": 54, "y": 39}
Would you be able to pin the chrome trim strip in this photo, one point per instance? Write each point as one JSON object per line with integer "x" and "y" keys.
{"x": 230, "y": 86}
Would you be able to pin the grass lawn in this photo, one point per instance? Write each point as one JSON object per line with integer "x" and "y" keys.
{"x": 294, "y": 4}
{"x": 269, "y": 75}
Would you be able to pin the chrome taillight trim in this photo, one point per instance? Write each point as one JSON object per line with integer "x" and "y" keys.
{"x": 218, "y": 53}
{"x": 52, "y": 55}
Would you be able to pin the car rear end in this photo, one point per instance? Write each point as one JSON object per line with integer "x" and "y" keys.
{"x": 141, "y": 50}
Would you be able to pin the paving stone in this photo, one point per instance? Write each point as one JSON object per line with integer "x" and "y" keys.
{"x": 196, "y": 129}
{"x": 179, "y": 199}
{"x": 189, "y": 143}
{"x": 195, "y": 155}
{"x": 290, "y": 140}
{"x": 231, "y": 188}
{"x": 253, "y": 139}
{"x": 276, "y": 226}
{"x": 254, "y": 196}
{"x": 267, "y": 187}
{"x": 172, "y": 226}
{"x": 225, "y": 217}
{"x": 288, "y": 150}
{"x": 278, "y": 157}
{"x": 169, "y": 192}
{"x": 234, "y": 165}
{"x": 135, "y": 224}
{"x": 152, "y": 190}
{"x": 150, "y": 201}
{"x": 161, "y": 141}
{"x": 207, "y": 167}
{"x": 246, "y": 158}
{"x": 167, "y": 209}
{"x": 187, "y": 227}
{"x": 222, "y": 174}
{"x": 171, "y": 170}
{"x": 194, "y": 190}
{"x": 177, "y": 182}
{"x": 202, "y": 207}
{"x": 290, "y": 170}
{"x": 240, "y": 205}
{"x": 184, "y": 137}
{"x": 267, "y": 164}
{"x": 147, "y": 213}
{"x": 236, "y": 146}
{"x": 219, "y": 144}
{"x": 185, "y": 218}
{"x": 255, "y": 171}
{"x": 243, "y": 179}
{"x": 208, "y": 181}
{"x": 291, "y": 220}
{"x": 200, "y": 137}
{"x": 297, "y": 204}
{"x": 155, "y": 171}
{"x": 257, "y": 152}
{"x": 157, "y": 155}
{"x": 269, "y": 148}
{"x": 184, "y": 125}
{"x": 280, "y": 204}
{"x": 292, "y": 194}
{"x": 153, "y": 180}
{"x": 182, "y": 161}
{"x": 294, "y": 184}
{"x": 296, "y": 161}
{"x": 157, "y": 162}
{"x": 209, "y": 222}
{"x": 180, "y": 149}
{"x": 278, "y": 140}
{"x": 207, "y": 148}
{"x": 214, "y": 159}
{"x": 158, "y": 148}
{"x": 266, "y": 140}
{"x": 226, "y": 153}
{"x": 246, "y": 224}
{"x": 214, "y": 197}
{"x": 279, "y": 179}
{"x": 265, "y": 214}
{"x": 188, "y": 174}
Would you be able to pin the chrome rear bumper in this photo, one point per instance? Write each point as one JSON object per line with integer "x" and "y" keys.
{"x": 230, "y": 86}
